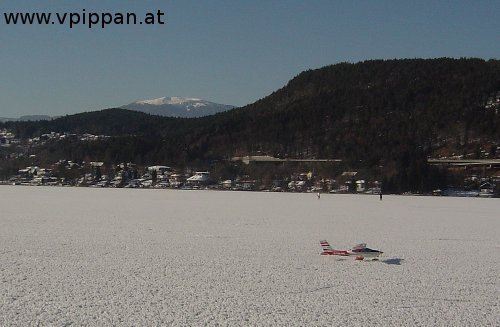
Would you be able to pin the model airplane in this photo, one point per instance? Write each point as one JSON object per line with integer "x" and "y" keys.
{"x": 359, "y": 251}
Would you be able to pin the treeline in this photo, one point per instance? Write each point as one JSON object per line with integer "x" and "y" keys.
{"x": 381, "y": 116}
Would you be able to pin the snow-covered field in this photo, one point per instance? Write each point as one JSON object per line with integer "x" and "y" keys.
{"x": 81, "y": 256}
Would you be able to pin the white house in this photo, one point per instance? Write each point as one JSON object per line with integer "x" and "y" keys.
{"x": 199, "y": 178}
{"x": 360, "y": 185}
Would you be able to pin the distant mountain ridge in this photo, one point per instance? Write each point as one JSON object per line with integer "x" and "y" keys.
{"x": 27, "y": 118}
{"x": 176, "y": 106}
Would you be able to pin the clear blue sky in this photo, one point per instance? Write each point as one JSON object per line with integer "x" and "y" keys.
{"x": 232, "y": 52}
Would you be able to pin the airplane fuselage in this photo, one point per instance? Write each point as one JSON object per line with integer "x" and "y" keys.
{"x": 360, "y": 251}
{"x": 351, "y": 253}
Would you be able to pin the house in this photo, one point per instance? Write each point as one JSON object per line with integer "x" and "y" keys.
{"x": 127, "y": 165}
{"x": 200, "y": 178}
{"x": 486, "y": 190}
{"x": 30, "y": 170}
{"x": 160, "y": 170}
{"x": 176, "y": 180}
{"x": 360, "y": 185}
{"x": 6, "y": 138}
{"x": 375, "y": 187}
{"x": 305, "y": 176}
{"x": 248, "y": 185}
{"x": 227, "y": 184}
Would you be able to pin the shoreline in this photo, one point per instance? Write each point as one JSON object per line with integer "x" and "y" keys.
{"x": 460, "y": 194}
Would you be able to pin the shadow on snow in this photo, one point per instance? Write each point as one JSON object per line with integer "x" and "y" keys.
{"x": 393, "y": 261}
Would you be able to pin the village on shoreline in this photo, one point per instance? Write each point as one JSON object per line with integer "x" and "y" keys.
{"x": 164, "y": 177}
{"x": 130, "y": 175}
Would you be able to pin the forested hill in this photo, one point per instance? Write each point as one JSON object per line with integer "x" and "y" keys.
{"x": 372, "y": 109}
{"x": 377, "y": 112}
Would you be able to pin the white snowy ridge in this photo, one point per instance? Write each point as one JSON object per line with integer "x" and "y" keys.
{"x": 173, "y": 100}
{"x": 176, "y": 106}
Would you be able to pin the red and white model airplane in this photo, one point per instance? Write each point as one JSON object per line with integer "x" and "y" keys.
{"x": 359, "y": 251}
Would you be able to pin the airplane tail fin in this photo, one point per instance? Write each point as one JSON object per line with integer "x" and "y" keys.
{"x": 328, "y": 250}
{"x": 325, "y": 245}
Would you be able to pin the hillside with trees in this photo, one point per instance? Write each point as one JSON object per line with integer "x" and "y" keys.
{"x": 385, "y": 117}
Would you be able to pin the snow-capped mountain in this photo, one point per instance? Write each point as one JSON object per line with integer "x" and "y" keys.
{"x": 178, "y": 107}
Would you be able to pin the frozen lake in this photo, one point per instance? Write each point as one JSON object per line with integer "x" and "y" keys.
{"x": 128, "y": 257}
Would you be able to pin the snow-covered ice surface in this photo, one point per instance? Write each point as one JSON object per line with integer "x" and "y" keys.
{"x": 128, "y": 257}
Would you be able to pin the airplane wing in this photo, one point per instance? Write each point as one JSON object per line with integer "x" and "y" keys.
{"x": 359, "y": 246}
